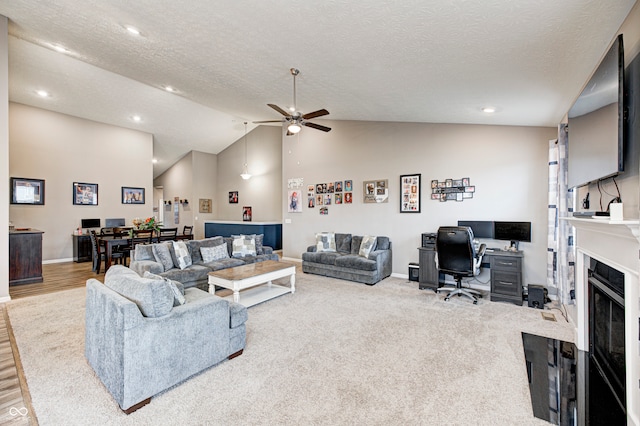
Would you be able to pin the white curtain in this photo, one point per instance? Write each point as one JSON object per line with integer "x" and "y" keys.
{"x": 560, "y": 248}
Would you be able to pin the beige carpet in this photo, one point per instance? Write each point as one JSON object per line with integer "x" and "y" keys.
{"x": 335, "y": 352}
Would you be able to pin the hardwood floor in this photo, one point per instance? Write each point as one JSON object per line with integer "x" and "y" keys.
{"x": 15, "y": 400}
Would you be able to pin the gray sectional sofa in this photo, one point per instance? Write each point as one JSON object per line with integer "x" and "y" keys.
{"x": 141, "y": 341}
{"x": 149, "y": 258}
{"x": 345, "y": 262}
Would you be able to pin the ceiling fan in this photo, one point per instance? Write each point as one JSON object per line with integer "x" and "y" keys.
{"x": 296, "y": 119}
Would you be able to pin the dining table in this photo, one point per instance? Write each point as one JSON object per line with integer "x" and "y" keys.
{"x": 109, "y": 241}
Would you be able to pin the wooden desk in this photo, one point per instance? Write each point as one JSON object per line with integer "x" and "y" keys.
{"x": 506, "y": 275}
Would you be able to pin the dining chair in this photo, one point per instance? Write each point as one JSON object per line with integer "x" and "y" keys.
{"x": 97, "y": 256}
{"x": 167, "y": 234}
{"x": 187, "y": 230}
{"x": 139, "y": 236}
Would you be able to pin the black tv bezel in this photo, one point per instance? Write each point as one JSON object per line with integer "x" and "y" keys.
{"x": 621, "y": 112}
{"x": 473, "y": 224}
{"x": 508, "y": 237}
{"x": 83, "y": 223}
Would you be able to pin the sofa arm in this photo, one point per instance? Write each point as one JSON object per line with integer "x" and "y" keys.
{"x": 141, "y": 266}
{"x": 267, "y": 250}
{"x": 311, "y": 249}
{"x": 383, "y": 260}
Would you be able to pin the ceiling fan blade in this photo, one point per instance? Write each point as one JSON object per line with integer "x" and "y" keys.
{"x": 267, "y": 121}
{"x": 317, "y": 126}
{"x": 280, "y": 110}
{"x": 318, "y": 113}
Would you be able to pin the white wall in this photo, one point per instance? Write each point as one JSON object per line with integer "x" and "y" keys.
{"x": 507, "y": 165}
{"x": 62, "y": 149}
{"x": 262, "y": 191}
{"x": 4, "y": 158}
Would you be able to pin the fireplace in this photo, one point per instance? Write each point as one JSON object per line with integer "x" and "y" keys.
{"x": 606, "y": 326}
{"x": 607, "y": 283}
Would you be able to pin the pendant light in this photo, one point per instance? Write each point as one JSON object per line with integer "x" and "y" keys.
{"x": 245, "y": 172}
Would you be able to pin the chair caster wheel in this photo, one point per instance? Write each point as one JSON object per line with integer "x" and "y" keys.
{"x": 475, "y": 302}
{"x": 446, "y": 299}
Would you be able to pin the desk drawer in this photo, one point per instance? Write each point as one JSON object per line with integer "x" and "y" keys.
{"x": 505, "y": 263}
{"x": 507, "y": 283}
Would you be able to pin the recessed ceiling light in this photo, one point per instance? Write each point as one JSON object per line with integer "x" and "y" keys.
{"x": 169, "y": 89}
{"x": 489, "y": 110}
{"x": 42, "y": 93}
{"x": 136, "y": 118}
{"x": 154, "y": 161}
{"x": 132, "y": 30}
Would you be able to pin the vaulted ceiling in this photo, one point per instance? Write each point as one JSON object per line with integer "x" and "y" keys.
{"x": 437, "y": 61}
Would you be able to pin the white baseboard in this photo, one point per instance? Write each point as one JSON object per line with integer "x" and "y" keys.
{"x": 291, "y": 259}
{"x": 5, "y": 299}
{"x": 46, "y": 262}
{"x": 396, "y": 275}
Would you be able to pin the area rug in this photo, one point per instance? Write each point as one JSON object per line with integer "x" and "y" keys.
{"x": 335, "y": 352}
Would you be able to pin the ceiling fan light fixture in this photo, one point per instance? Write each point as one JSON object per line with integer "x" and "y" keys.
{"x": 294, "y": 128}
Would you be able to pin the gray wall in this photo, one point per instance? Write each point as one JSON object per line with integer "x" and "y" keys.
{"x": 507, "y": 165}
{"x": 62, "y": 149}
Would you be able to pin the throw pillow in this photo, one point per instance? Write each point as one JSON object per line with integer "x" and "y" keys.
{"x": 244, "y": 245}
{"x": 210, "y": 254}
{"x": 176, "y": 287}
{"x": 182, "y": 254}
{"x": 163, "y": 255}
{"x": 367, "y": 245}
{"x": 325, "y": 242}
{"x": 153, "y": 297}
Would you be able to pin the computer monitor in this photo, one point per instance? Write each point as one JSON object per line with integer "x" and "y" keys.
{"x": 512, "y": 231}
{"x": 111, "y": 223}
{"x": 90, "y": 223}
{"x": 481, "y": 229}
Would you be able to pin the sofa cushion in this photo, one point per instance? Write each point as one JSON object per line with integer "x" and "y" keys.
{"x": 195, "y": 245}
{"x": 367, "y": 245}
{"x": 325, "y": 242}
{"x": 190, "y": 274}
{"x": 182, "y": 254}
{"x": 176, "y": 287}
{"x": 343, "y": 243}
{"x": 383, "y": 243}
{"x": 154, "y": 297}
{"x": 163, "y": 255}
{"x": 209, "y": 254}
{"x": 243, "y": 245}
{"x": 144, "y": 252}
{"x": 352, "y": 261}
{"x": 228, "y": 262}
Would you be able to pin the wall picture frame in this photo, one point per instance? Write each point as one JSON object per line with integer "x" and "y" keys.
{"x": 27, "y": 191}
{"x": 233, "y": 197}
{"x": 132, "y": 195}
{"x": 205, "y": 205}
{"x": 375, "y": 191}
{"x": 85, "y": 194}
{"x": 410, "y": 193}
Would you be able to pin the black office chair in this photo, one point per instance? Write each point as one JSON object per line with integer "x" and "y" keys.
{"x": 457, "y": 256}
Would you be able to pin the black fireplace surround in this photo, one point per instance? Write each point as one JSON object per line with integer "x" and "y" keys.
{"x": 606, "y": 326}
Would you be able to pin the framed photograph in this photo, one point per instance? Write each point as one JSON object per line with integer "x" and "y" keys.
{"x": 410, "y": 193}
{"x": 27, "y": 191}
{"x": 376, "y": 191}
{"x": 348, "y": 197}
{"x": 246, "y": 214}
{"x": 338, "y": 199}
{"x": 132, "y": 195}
{"x": 348, "y": 185}
{"x": 85, "y": 194}
{"x": 338, "y": 186}
{"x": 205, "y": 205}
{"x": 295, "y": 201}
{"x": 311, "y": 202}
{"x": 233, "y": 197}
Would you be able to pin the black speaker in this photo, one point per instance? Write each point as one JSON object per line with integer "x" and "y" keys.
{"x": 535, "y": 296}
{"x": 414, "y": 271}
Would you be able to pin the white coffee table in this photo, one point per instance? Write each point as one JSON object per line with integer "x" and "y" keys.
{"x": 255, "y": 281}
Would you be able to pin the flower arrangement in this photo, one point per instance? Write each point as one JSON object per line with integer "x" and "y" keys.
{"x": 148, "y": 223}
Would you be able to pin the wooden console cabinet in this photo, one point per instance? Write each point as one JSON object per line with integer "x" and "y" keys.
{"x": 506, "y": 275}
{"x": 82, "y": 248}
{"x": 429, "y": 277}
{"x": 25, "y": 257}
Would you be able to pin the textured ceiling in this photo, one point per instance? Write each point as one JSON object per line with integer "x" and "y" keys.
{"x": 437, "y": 61}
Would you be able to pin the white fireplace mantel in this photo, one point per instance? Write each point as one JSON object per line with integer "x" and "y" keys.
{"x": 616, "y": 243}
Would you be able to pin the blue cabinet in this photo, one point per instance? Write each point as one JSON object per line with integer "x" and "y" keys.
{"x": 272, "y": 231}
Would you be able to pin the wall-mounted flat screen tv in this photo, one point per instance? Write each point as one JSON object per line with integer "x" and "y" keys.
{"x": 596, "y": 123}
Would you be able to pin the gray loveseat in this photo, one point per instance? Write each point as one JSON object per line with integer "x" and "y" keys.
{"x": 346, "y": 263}
{"x": 140, "y": 344}
{"x": 145, "y": 258}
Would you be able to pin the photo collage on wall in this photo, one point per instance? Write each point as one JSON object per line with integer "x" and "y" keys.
{"x": 452, "y": 190}
{"x": 322, "y": 195}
